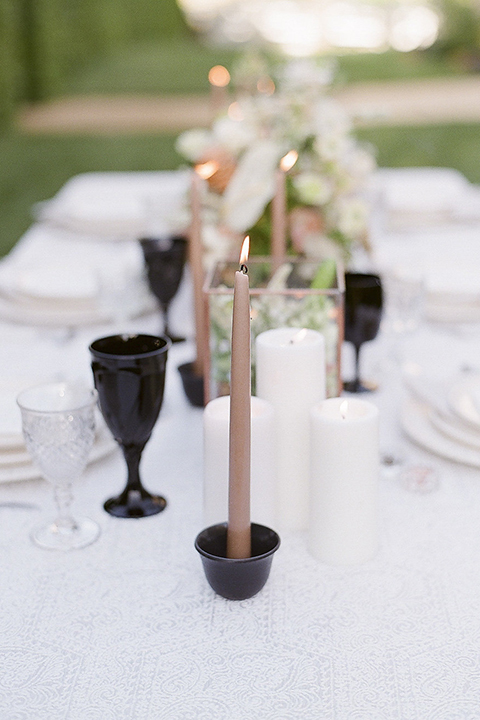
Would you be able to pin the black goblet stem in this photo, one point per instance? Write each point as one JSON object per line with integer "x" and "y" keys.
{"x": 165, "y": 306}
{"x": 356, "y": 383}
{"x": 133, "y": 454}
{"x": 166, "y": 329}
{"x": 134, "y": 501}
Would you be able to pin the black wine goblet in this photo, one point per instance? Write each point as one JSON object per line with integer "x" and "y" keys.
{"x": 363, "y": 311}
{"x": 165, "y": 259}
{"x": 129, "y": 375}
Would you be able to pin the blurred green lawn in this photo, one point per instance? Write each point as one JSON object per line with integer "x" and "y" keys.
{"x": 182, "y": 65}
{"x": 34, "y": 168}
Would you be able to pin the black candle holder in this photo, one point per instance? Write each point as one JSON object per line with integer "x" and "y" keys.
{"x": 236, "y": 578}
{"x": 193, "y": 384}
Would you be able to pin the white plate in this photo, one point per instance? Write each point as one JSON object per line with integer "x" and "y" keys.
{"x": 460, "y": 398}
{"x": 55, "y": 281}
{"x": 455, "y": 429}
{"x": 103, "y": 446}
{"x": 11, "y": 457}
{"x": 114, "y": 206}
{"x": 417, "y": 426}
{"x": 10, "y": 441}
{"x": 52, "y": 315}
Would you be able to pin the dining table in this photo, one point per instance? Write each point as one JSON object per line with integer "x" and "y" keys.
{"x": 128, "y": 628}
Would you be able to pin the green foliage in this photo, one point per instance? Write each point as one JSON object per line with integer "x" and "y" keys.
{"x": 11, "y": 78}
{"x": 461, "y": 28}
{"x": 394, "y": 65}
{"x": 43, "y": 41}
{"x": 166, "y": 66}
{"x": 453, "y": 145}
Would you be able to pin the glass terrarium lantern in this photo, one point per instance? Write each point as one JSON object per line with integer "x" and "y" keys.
{"x": 288, "y": 297}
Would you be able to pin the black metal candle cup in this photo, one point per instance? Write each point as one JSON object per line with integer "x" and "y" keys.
{"x": 192, "y": 384}
{"x": 236, "y": 578}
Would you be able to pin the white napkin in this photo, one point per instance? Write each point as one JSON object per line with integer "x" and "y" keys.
{"x": 116, "y": 205}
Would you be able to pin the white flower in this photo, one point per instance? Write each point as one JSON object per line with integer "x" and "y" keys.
{"x": 330, "y": 117}
{"x": 307, "y": 73}
{"x": 193, "y": 143}
{"x": 233, "y": 135}
{"x": 331, "y": 146}
{"x": 216, "y": 245}
{"x": 313, "y": 188}
{"x": 353, "y": 217}
{"x": 362, "y": 162}
{"x": 252, "y": 186}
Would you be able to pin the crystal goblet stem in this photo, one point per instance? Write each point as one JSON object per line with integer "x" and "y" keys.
{"x": 63, "y": 501}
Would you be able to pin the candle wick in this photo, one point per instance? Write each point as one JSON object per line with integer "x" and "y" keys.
{"x": 244, "y": 269}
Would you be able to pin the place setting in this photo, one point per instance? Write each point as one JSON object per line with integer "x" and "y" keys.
{"x": 47, "y": 282}
{"x": 113, "y": 207}
{"x": 442, "y": 415}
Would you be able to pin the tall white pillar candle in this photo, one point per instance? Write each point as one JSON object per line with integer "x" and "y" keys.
{"x": 216, "y": 421}
{"x": 343, "y": 524}
{"x": 290, "y": 374}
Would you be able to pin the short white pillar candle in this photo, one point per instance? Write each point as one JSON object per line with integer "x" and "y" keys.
{"x": 290, "y": 373}
{"x": 343, "y": 525}
{"x": 216, "y": 423}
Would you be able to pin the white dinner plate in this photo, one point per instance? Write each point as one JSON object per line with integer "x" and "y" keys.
{"x": 416, "y": 424}
{"x": 18, "y": 456}
{"x": 455, "y": 429}
{"x": 10, "y": 441}
{"x": 59, "y": 282}
{"x": 103, "y": 446}
{"x": 460, "y": 398}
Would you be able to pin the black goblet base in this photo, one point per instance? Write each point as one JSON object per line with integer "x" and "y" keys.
{"x": 133, "y": 504}
{"x": 360, "y": 386}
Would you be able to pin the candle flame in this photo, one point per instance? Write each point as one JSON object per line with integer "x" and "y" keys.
{"x": 344, "y": 409}
{"x": 207, "y": 169}
{"x": 288, "y": 160}
{"x": 299, "y": 336}
{"x": 219, "y": 76}
{"x": 245, "y": 250}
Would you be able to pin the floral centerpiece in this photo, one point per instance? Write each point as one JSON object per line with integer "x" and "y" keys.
{"x": 239, "y": 157}
{"x": 273, "y": 112}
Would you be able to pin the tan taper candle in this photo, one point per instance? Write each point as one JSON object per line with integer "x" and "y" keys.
{"x": 279, "y": 210}
{"x": 196, "y": 268}
{"x": 279, "y": 220}
{"x": 238, "y": 532}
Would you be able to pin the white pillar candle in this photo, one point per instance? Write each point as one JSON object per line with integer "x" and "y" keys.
{"x": 343, "y": 525}
{"x": 290, "y": 374}
{"x": 216, "y": 422}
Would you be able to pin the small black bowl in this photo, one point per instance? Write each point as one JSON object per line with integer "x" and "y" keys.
{"x": 192, "y": 384}
{"x": 236, "y": 578}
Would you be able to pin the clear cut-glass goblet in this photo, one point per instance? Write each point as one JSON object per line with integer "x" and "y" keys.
{"x": 58, "y": 422}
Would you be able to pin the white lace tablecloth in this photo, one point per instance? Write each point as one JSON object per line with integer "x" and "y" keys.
{"x": 128, "y": 629}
